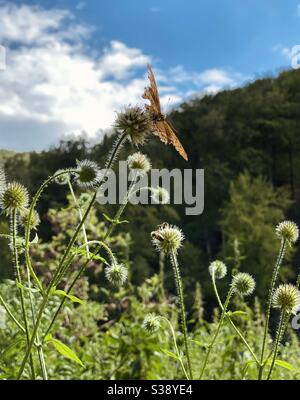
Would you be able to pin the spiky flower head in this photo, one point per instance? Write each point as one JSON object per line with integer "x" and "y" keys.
{"x": 134, "y": 122}
{"x": 139, "y": 163}
{"x": 116, "y": 274}
{"x": 62, "y": 176}
{"x": 88, "y": 174}
{"x": 218, "y": 268}
{"x": 2, "y": 180}
{"x": 14, "y": 197}
{"x": 34, "y": 219}
{"x": 160, "y": 195}
{"x": 243, "y": 283}
{"x": 288, "y": 230}
{"x": 167, "y": 238}
{"x": 151, "y": 323}
{"x": 287, "y": 298}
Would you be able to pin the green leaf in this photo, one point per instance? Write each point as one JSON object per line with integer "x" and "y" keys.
{"x": 170, "y": 354}
{"x": 201, "y": 344}
{"x": 236, "y": 313}
{"x": 74, "y": 299}
{"x": 114, "y": 221}
{"x": 107, "y": 217}
{"x": 63, "y": 349}
{"x": 284, "y": 364}
{"x": 32, "y": 290}
{"x": 83, "y": 252}
{"x": 247, "y": 365}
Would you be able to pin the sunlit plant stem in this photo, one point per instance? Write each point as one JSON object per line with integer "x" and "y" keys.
{"x": 178, "y": 281}
{"x": 269, "y": 303}
{"x": 64, "y": 257}
{"x": 223, "y": 314}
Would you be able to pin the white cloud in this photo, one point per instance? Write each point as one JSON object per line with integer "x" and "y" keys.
{"x": 118, "y": 60}
{"x": 212, "y": 76}
{"x": 54, "y": 83}
{"x": 50, "y": 85}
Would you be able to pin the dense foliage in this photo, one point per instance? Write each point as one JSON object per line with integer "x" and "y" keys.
{"x": 247, "y": 141}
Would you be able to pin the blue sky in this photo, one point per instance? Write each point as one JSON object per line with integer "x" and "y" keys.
{"x": 71, "y": 64}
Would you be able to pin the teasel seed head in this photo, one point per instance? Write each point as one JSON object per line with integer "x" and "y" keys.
{"x": 62, "y": 176}
{"x": 218, "y": 268}
{"x": 116, "y": 274}
{"x": 288, "y": 230}
{"x": 243, "y": 283}
{"x": 88, "y": 174}
{"x": 287, "y": 298}
{"x": 151, "y": 323}
{"x": 139, "y": 163}
{"x": 160, "y": 195}
{"x": 135, "y": 122}
{"x": 24, "y": 218}
{"x": 14, "y": 197}
{"x": 167, "y": 238}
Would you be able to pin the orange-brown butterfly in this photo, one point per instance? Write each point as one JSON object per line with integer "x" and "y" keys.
{"x": 161, "y": 126}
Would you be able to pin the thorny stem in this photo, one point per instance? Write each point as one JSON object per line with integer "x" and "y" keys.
{"x": 269, "y": 303}
{"x": 100, "y": 244}
{"x": 80, "y": 216}
{"x": 233, "y": 324}
{"x": 38, "y": 345}
{"x": 224, "y": 310}
{"x": 283, "y": 330}
{"x": 178, "y": 281}
{"x": 67, "y": 251}
{"x": 11, "y": 315}
{"x": 20, "y": 286}
{"x": 28, "y": 228}
{"x": 176, "y": 347}
{"x": 162, "y": 275}
{"x": 277, "y": 341}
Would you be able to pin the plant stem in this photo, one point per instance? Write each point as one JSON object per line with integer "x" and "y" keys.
{"x": 65, "y": 255}
{"x": 162, "y": 275}
{"x": 100, "y": 245}
{"x": 277, "y": 341}
{"x": 20, "y": 287}
{"x": 178, "y": 282}
{"x": 269, "y": 303}
{"x": 28, "y": 228}
{"x": 233, "y": 324}
{"x": 39, "y": 346}
{"x": 224, "y": 310}
{"x": 10, "y": 314}
{"x": 80, "y": 216}
{"x": 176, "y": 347}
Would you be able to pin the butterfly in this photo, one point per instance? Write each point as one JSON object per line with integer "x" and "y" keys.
{"x": 161, "y": 127}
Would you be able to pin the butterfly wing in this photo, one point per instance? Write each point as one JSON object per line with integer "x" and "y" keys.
{"x": 164, "y": 130}
{"x": 160, "y": 127}
{"x": 151, "y": 93}
{"x": 173, "y": 139}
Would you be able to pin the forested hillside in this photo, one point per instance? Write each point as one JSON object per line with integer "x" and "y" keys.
{"x": 248, "y": 142}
